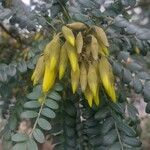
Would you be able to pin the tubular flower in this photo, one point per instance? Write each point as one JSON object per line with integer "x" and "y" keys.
{"x": 84, "y": 51}
{"x": 39, "y": 70}
{"x": 63, "y": 62}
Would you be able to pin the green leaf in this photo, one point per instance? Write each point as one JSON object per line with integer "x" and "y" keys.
{"x": 48, "y": 113}
{"x": 96, "y": 141}
{"x": 3, "y": 76}
{"x": 107, "y": 125}
{"x": 69, "y": 121}
{"x": 38, "y": 135}
{"x": 143, "y": 75}
{"x": 122, "y": 94}
{"x": 123, "y": 56}
{"x": 31, "y": 145}
{"x": 22, "y": 67}
{"x": 11, "y": 70}
{"x": 146, "y": 92}
{"x": 70, "y": 132}
{"x": 51, "y": 104}
{"x": 117, "y": 68}
{"x": 127, "y": 76}
{"x": 128, "y": 2}
{"x": 132, "y": 2}
{"x": 122, "y": 126}
{"x": 97, "y": 13}
{"x": 54, "y": 95}
{"x": 7, "y": 133}
{"x": 32, "y": 104}
{"x": 70, "y": 109}
{"x": 132, "y": 111}
{"x": 118, "y": 107}
{"x": 111, "y": 13}
{"x": 146, "y": 95}
{"x": 137, "y": 85}
{"x": 115, "y": 146}
{"x": 132, "y": 141}
{"x": 29, "y": 114}
{"x": 42, "y": 44}
{"x": 34, "y": 95}
{"x": 3, "y": 66}
{"x": 71, "y": 143}
{"x": 100, "y": 148}
{"x": 55, "y": 9}
{"x": 116, "y": 117}
{"x": 93, "y": 130}
{"x": 133, "y": 67}
{"x": 30, "y": 64}
{"x": 102, "y": 113}
{"x": 147, "y": 84}
{"x": 13, "y": 122}
{"x": 81, "y": 17}
{"x": 37, "y": 88}
{"x": 147, "y": 109}
{"x": 19, "y": 137}
{"x": 90, "y": 122}
{"x": 110, "y": 137}
{"x": 19, "y": 146}
{"x": 58, "y": 87}
{"x": 87, "y": 3}
{"x": 44, "y": 124}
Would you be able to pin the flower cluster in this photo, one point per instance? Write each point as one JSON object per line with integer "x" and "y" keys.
{"x": 85, "y": 48}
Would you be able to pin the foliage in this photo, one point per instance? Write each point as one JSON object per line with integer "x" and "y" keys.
{"x": 66, "y": 118}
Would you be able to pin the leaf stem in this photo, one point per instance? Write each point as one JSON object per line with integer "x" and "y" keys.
{"x": 119, "y": 136}
{"x": 65, "y": 11}
{"x": 39, "y": 113}
{"x": 51, "y": 25}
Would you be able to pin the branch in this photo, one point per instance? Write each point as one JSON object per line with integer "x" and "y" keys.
{"x": 17, "y": 38}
